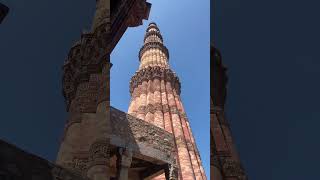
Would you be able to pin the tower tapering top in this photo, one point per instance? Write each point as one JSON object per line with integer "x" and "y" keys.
{"x": 153, "y": 52}
{"x": 153, "y": 34}
{"x": 153, "y": 27}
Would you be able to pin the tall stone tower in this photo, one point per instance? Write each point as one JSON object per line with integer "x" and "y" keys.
{"x": 225, "y": 162}
{"x": 155, "y": 98}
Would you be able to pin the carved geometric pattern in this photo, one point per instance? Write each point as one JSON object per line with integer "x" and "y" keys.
{"x": 153, "y": 45}
{"x": 151, "y": 73}
{"x": 100, "y": 149}
{"x": 152, "y": 33}
{"x": 99, "y": 153}
{"x": 88, "y": 56}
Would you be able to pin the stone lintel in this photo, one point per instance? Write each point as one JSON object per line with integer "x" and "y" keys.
{"x": 147, "y": 141}
{"x": 127, "y": 13}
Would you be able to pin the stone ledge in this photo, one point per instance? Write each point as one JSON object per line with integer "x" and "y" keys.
{"x": 142, "y": 137}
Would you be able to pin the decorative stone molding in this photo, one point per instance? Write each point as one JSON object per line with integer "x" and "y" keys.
{"x": 151, "y": 73}
{"x": 152, "y": 33}
{"x": 134, "y": 130}
{"x": 153, "y": 25}
{"x": 154, "y": 45}
{"x": 100, "y": 150}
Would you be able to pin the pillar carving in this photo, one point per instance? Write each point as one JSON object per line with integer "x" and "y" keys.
{"x": 124, "y": 159}
{"x": 99, "y": 165}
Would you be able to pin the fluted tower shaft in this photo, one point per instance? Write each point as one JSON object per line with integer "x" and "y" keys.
{"x": 155, "y": 98}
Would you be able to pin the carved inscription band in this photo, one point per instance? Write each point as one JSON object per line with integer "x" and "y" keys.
{"x": 151, "y": 73}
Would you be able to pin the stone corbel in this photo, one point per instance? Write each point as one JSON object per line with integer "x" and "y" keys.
{"x": 124, "y": 159}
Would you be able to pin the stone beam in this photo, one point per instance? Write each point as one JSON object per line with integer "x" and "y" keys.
{"x": 124, "y": 14}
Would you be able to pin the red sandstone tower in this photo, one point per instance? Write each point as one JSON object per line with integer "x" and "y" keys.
{"x": 155, "y": 98}
{"x": 225, "y": 162}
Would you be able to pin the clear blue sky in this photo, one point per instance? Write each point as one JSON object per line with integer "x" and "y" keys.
{"x": 185, "y": 26}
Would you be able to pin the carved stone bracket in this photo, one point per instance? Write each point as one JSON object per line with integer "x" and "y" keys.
{"x": 124, "y": 159}
{"x": 100, "y": 153}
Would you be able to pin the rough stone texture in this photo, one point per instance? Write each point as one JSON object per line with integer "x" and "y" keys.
{"x": 225, "y": 162}
{"x": 3, "y": 12}
{"x": 16, "y": 164}
{"x": 140, "y": 136}
{"x": 155, "y": 92}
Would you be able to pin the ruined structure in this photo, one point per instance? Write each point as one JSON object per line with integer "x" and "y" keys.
{"x": 155, "y": 98}
{"x": 225, "y": 162}
{"x": 3, "y": 12}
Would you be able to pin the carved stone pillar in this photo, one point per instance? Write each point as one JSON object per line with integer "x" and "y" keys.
{"x": 124, "y": 159}
{"x": 99, "y": 161}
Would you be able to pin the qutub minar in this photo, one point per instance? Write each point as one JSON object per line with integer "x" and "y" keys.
{"x": 155, "y": 98}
